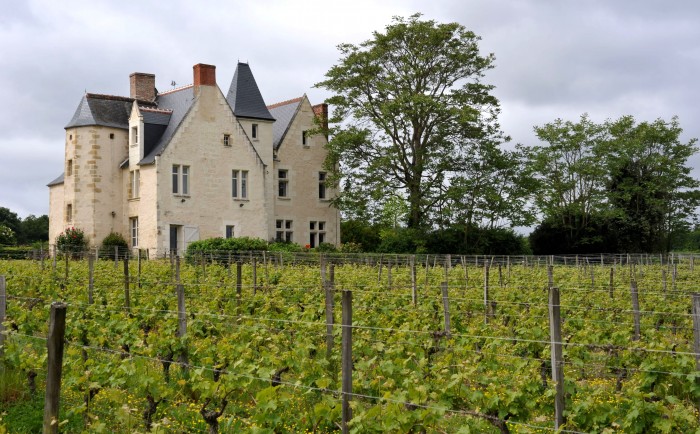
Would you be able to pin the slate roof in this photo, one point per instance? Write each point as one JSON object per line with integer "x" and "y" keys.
{"x": 163, "y": 116}
{"x": 104, "y": 110}
{"x": 178, "y": 102}
{"x": 283, "y": 112}
{"x": 244, "y": 96}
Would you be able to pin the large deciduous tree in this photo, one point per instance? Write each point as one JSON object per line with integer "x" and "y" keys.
{"x": 649, "y": 186}
{"x": 568, "y": 171}
{"x": 619, "y": 185}
{"x": 410, "y": 104}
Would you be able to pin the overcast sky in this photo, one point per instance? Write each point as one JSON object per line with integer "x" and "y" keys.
{"x": 554, "y": 59}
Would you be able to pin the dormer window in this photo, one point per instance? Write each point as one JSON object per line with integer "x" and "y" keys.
{"x": 134, "y": 136}
{"x": 254, "y": 131}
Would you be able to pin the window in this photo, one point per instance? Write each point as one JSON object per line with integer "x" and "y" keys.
{"x": 303, "y": 137}
{"x": 134, "y": 229}
{"x": 69, "y": 168}
{"x": 69, "y": 213}
{"x": 111, "y": 136}
{"x": 227, "y": 140}
{"x": 317, "y": 232}
{"x": 134, "y": 136}
{"x": 239, "y": 184}
{"x": 254, "y": 131}
{"x": 181, "y": 179}
{"x": 284, "y": 231}
{"x": 229, "y": 231}
{"x": 185, "y": 180}
{"x": 134, "y": 181}
{"x": 321, "y": 185}
{"x": 283, "y": 183}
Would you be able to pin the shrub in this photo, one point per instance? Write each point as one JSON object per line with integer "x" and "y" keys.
{"x": 326, "y": 248}
{"x": 111, "y": 241}
{"x": 213, "y": 245}
{"x": 71, "y": 241}
{"x": 283, "y": 246}
{"x": 350, "y": 248}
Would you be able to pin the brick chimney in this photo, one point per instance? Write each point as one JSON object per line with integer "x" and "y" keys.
{"x": 142, "y": 86}
{"x": 321, "y": 112}
{"x": 204, "y": 75}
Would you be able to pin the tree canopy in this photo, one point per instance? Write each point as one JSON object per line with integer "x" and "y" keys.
{"x": 22, "y": 231}
{"x": 619, "y": 185}
{"x": 409, "y": 108}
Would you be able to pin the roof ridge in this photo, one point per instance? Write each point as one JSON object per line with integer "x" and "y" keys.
{"x": 289, "y": 101}
{"x": 177, "y": 89}
{"x": 157, "y": 110}
{"x": 110, "y": 97}
{"x": 117, "y": 98}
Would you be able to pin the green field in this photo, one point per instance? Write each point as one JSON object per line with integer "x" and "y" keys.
{"x": 259, "y": 356}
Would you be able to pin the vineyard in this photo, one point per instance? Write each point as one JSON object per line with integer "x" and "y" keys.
{"x": 278, "y": 343}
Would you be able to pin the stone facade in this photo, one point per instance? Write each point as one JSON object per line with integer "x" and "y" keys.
{"x": 160, "y": 169}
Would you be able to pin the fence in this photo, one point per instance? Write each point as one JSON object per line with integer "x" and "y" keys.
{"x": 454, "y": 298}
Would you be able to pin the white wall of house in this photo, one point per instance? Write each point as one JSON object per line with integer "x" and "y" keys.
{"x": 209, "y": 206}
{"x": 303, "y": 164}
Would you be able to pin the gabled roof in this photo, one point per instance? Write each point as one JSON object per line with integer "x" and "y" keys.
{"x": 284, "y": 112}
{"x": 104, "y": 110}
{"x": 244, "y": 96}
{"x": 178, "y": 102}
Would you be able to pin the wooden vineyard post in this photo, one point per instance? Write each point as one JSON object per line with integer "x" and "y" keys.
{"x": 53, "y": 265}
{"x": 466, "y": 273}
{"x": 500, "y": 276}
{"x": 127, "y": 298}
{"x": 54, "y": 344}
{"x": 239, "y": 282}
{"x": 550, "y": 276}
{"x": 389, "y": 278}
{"x": 487, "y": 302}
{"x": 592, "y": 277}
{"x": 66, "y": 268}
{"x": 414, "y": 289}
{"x": 3, "y": 312}
{"x": 427, "y": 273}
{"x": 692, "y": 263}
{"x": 347, "y": 360}
{"x": 448, "y": 266}
{"x": 446, "y": 309}
{"x": 635, "y": 308}
{"x": 379, "y": 274}
{"x": 696, "y": 333}
{"x": 116, "y": 257}
{"x": 663, "y": 280}
{"x": 181, "y": 313}
{"x": 331, "y": 274}
{"x": 138, "y": 278}
{"x": 557, "y": 356}
{"x": 267, "y": 272}
{"x": 254, "y": 264}
{"x": 612, "y": 281}
{"x": 673, "y": 277}
{"x": 91, "y": 278}
{"x": 328, "y": 289}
